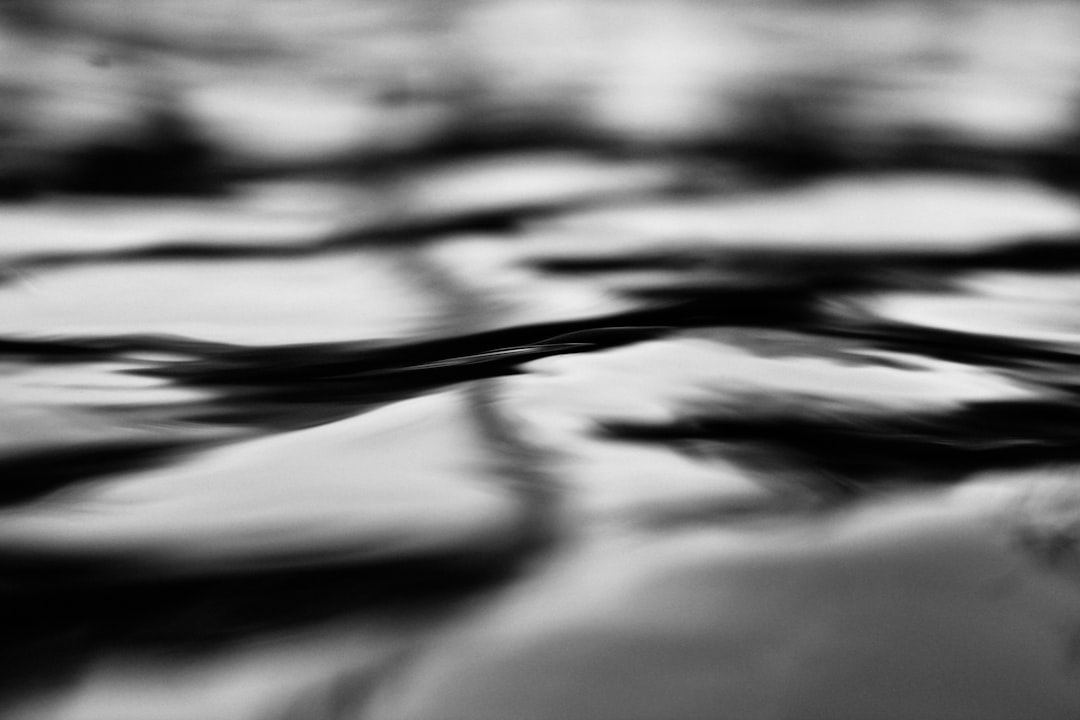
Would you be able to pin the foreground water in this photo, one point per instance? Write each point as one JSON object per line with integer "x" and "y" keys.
{"x": 543, "y": 436}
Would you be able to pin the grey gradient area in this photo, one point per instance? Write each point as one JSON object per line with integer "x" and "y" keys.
{"x": 925, "y": 605}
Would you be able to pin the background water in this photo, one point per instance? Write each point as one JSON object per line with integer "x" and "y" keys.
{"x": 539, "y": 360}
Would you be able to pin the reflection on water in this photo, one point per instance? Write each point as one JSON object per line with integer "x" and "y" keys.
{"x": 1022, "y": 306}
{"x": 507, "y": 472}
{"x": 539, "y": 359}
{"x": 245, "y": 301}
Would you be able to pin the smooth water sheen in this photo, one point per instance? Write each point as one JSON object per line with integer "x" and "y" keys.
{"x": 543, "y": 436}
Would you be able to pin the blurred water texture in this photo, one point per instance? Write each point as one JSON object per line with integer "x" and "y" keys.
{"x": 536, "y": 359}
{"x": 198, "y": 87}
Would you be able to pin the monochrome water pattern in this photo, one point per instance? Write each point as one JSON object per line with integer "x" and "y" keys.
{"x": 447, "y": 376}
